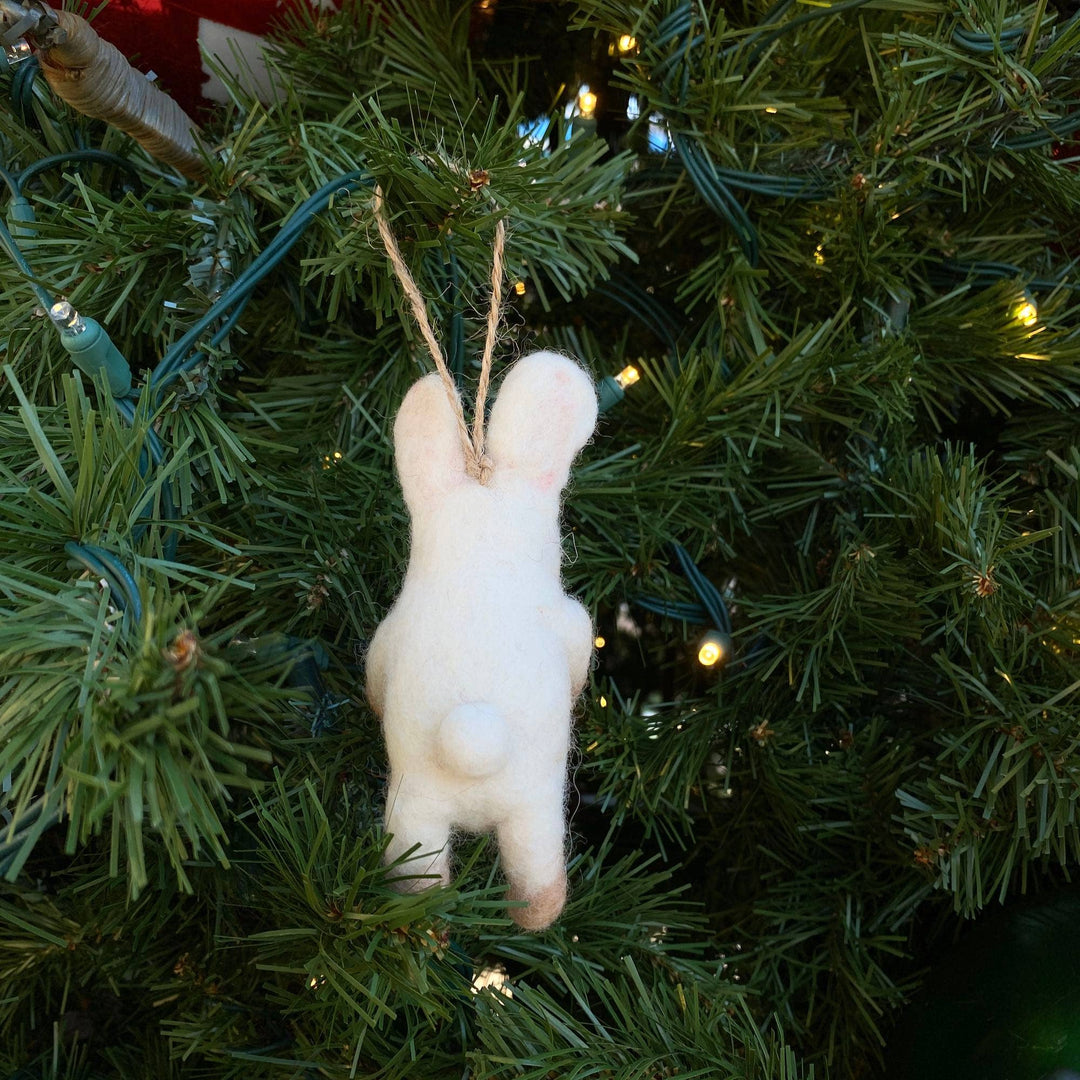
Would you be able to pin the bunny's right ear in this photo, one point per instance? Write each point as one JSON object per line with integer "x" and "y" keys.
{"x": 427, "y": 443}
{"x": 544, "y": 414}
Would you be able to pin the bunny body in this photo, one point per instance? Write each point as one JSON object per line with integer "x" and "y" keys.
{"x": 475, "y": 669}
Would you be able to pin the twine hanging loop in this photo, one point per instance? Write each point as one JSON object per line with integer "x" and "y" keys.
{"x": 477, "y": 464}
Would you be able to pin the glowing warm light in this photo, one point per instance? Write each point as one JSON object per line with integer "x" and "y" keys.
{"x": 496, "y": 978}
{"x": 519, "y": 288}
{"x": 1026, "y": 312}
{"x": 709, "y": 654}
{"x": 600, "y": 642}
{"x": 587, "y": 103}
{"x": 627, "y": 42}
{"x": 770, "y": 109}
{"x": 819, "y": 256}
{"x": 603, "y": 702}
{"x": 628, "y": 376}
{"x": 712, "y": 649}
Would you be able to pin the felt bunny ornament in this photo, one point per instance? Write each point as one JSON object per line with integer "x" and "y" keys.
{"x": 475, "y": 670}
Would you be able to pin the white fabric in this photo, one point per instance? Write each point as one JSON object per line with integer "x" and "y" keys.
{"x": 475, "y": 669}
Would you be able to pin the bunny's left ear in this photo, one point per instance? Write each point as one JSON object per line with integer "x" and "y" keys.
{"x": 544, "y": 414}
{"x": 427, "y": 445}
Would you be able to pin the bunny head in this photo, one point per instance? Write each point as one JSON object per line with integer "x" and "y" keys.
{"x": 544, "y": 413}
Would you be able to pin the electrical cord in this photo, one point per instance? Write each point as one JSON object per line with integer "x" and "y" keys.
{"x": 12, "y": 182}
{"x": 99, "y": 157}
{"x": 7, "y": 242}
{"x": 103, "y": 564}
{"x": 22, "y": 89}
{"x": 180, "y": 356}
{"x": 710, "y": 609}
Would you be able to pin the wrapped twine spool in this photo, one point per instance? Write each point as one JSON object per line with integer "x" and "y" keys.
{"x": 94, "y": 77}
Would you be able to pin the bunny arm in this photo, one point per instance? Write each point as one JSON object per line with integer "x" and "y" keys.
{"x": 375, "y": 675}
{"x": 573, "y": 626}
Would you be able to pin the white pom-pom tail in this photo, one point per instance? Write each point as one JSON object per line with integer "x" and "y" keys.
{"x": 473, "y": 740}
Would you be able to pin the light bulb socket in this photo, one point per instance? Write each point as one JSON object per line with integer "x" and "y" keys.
{"x": 92, "y": 350}
{"x": 610, "y": 393}
{"x": 583, "y": 127}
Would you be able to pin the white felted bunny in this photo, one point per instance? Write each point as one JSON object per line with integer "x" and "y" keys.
{"x": 476, "y": 668}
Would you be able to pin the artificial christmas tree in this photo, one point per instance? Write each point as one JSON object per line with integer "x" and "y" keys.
{"x": 819, "y": 261}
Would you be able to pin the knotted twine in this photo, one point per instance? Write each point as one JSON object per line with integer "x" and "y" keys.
{"x": 477, "y": 464}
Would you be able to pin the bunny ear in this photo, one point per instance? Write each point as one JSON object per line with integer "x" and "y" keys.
{"x": 427, "y": 445}
{"x": 544, "y": 414}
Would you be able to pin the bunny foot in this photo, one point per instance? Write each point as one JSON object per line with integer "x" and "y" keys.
{"x": 532, "y": 845}
{"x": 544, "y": 908}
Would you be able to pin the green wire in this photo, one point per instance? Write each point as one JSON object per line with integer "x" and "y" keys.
{"x": 22, "y": 88}
{"x": 100, "y": 157}
{"x": 177, "y": 358}
{"x": 12, "y": 183}
{"x": 702, "y": 171}
{"x": 7, "y": 242}
{"x": 105, "y": 565}
{"x": 819, "y": 13}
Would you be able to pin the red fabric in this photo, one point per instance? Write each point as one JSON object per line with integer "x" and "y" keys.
{"x": 162, "y": 36}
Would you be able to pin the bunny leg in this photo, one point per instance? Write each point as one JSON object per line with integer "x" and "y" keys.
{"x": 532, "y": 848}
{"x": 417, "y": 824}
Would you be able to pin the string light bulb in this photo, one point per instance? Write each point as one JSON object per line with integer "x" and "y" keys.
{"x": 519, "y": 288}
{"x": 600, "y": 641}
{"x": 587, "y": 101}
{"x": 1026, "y": 313}
{"x": 613, "y": 387}
{"x": 65, "y": 318}
{"x": 714, "y": 649}
{"x": 495, "y": 978}
{"x": 91, "y": 349}
{"x": 627, "y": 43}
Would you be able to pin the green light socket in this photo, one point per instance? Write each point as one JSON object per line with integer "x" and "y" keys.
{"x": 610, "y": 393}
{"x": 92, "y": 351}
